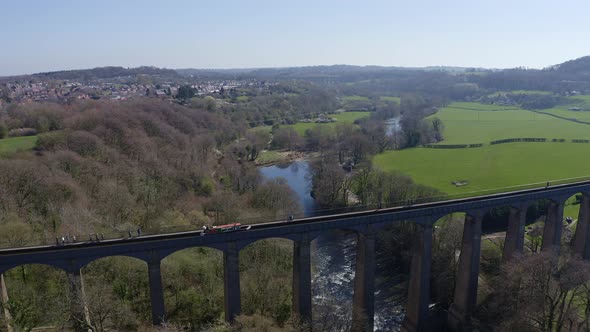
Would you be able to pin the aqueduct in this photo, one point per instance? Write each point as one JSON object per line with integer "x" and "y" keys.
{"x": 153, "y": 248}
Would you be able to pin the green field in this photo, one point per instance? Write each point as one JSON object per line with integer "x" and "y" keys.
{"x": 390, "y": 98}
{"x": 345, "y": 117}
{"x": 15, "y": 144}
{"x": 580, "y": 100}
{"x": 355, "y": 102}
{"x": 267, "y": 156}
{"x": 565, "y": 113}
{"x": 265, "y": 129}
{"x": 525, "y": 92}
{"x": 583, "y": 102}
{"x": 354, "y": 98}
{"x": 504, "y": 167}
{"x": 466, "y": 126}
{"x": 480, "y": 107}
{"x": 571, "y": 210}
{"x": 489, "y": 167}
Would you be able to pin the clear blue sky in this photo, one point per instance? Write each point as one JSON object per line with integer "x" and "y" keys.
{"x": 45, "y": 35}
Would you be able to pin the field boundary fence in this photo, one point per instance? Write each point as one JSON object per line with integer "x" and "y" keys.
{"x": 505, "y": 141}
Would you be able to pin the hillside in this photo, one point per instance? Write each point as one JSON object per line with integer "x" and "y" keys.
{"x": 580, "y": 66}
{"x": 99, "y": 73}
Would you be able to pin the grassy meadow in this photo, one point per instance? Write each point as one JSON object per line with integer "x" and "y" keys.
{"x": 345, "y": 117}
{"x": 565, "y": 113}
{"x": 268, "y": 156}
{"x": 480, "y": 107}
{"x": 354, "y": 98}
{"x": 264, "y": 129}
{"x": 524, "y": 92}
{"x": 502, "y": 167}
{"x": 489, "y": 167}
{"x": 583, "y": 102}
{"x": 15, "y": 144}
{"x": 390, "y": 98}
{"x": 470, "y": 123}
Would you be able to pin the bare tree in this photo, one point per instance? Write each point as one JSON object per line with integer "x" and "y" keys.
{"x": 542, "y": 291}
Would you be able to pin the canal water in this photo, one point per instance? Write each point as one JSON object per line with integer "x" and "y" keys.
{"x": 393, "y": 125}
{"x": 333, "y": 261}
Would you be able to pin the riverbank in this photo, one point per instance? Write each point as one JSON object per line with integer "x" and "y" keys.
{"x": 271, "y": 157}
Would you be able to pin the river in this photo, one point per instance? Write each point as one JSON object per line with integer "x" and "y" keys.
{"x": 393, "y": 125}
{"x": 333, "y": 260}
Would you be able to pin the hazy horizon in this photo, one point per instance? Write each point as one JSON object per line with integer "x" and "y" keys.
{"x": 69, "y": 35}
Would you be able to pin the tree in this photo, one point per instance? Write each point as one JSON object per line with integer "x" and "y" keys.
{"x": 329, "y": 182}
{"x": 542, "y": 291}
{"x": 535, "y": 236}
{"x": 257, "y": 140}
{"x": 343, "y": 132}
{"x": 277, "y": 197}
{"x": 22, "y": 312}
{"x": 267, "y": 275}
{"x": 256, "y": 323}
{"x": 105, "y": 311}
{"x": 376, "y": 132}
{"x": 359, "y": 146}
{"x": 286, "y": 138}
{"x": 3, "y": 130}
{"x": 437, "y": 127}
{"x": 186, "y": 92}
{"x": 361, "y": 180}
{"x": 319, "y": 138}
{"x": 418, "y": 130}
{"x": 16, "y": 233}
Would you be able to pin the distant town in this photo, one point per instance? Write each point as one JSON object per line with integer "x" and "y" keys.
{"x": 120, "y": 88}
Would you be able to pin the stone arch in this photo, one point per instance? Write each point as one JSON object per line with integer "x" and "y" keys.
{"x": 193, "y": 277}
{"x": 553, "y": 227}
{"x": 572, "y": 206}
{"x": 412, "y": 236}
{"x": 266, "y": 277}
{"x": 334, "y": 257}
{"x": 507, "y": 236}
{"x": 292, "y": 237}
{"x": 140, "y": 256}
{"x": 165, "y": 253}
{"x": 443, "y": 221}
{"x": 115, "y": 281}
{"x": 59, "y": 265}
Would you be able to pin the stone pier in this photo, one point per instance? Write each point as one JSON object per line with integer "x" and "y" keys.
{"x": 363, "y": 303}
{"x": 231, "y": 281}
{"x": 553, "y": 226}
{"x": 581, "y": 241}
{"x": 419, "y": 285}
{"x": 514, "y": 242}
{"x": 302, "y": 280}
{"x": 465, "y": 298}
{"x": 156, "y": 291}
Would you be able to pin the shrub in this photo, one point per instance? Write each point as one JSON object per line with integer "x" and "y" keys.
{"x": 51, "y": 140}
{"x": 22, "y": 132}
